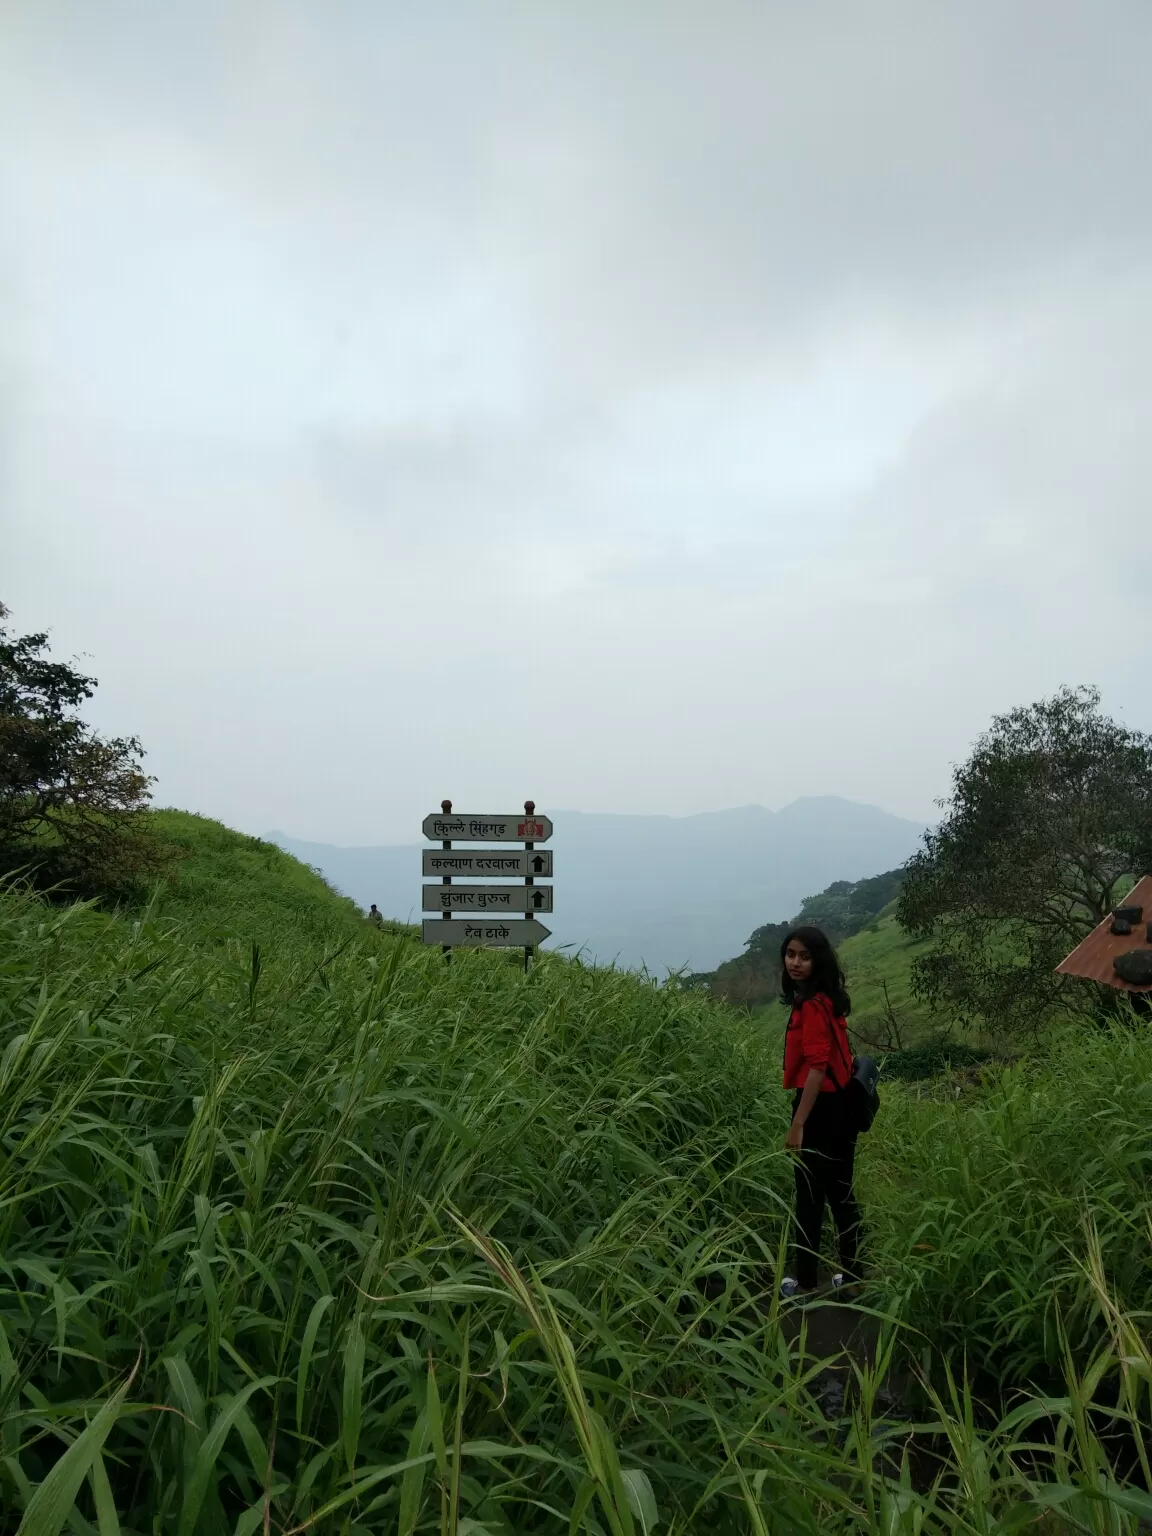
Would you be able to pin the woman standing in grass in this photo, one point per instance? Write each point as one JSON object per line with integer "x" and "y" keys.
{"x": 817, "y": 1066}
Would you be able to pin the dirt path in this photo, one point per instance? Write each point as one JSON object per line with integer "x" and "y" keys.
{"x": 839, "y": 1335}
{"x": 834, "y": 1331}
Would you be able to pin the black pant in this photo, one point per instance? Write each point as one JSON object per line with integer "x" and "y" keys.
{"x": 824, "y": 1173}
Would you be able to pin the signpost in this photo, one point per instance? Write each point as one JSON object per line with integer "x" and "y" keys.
{"x": 491, "y": 929}
{"x": 520, "y": 827}
{"x": 487, "y": 898}
{"x": 479, "y": 865}
{"x": 480, "y": 933}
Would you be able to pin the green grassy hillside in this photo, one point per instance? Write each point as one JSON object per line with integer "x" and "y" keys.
{"x": 877, "y": 960}
{"x": 878, "y": 966}
{"x": 860, "y": 919}
{"x": 233, "y": 886}
{"x": 357, "y": 1240}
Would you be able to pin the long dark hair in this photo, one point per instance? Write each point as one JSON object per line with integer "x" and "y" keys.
{"x": 827, "y": 973}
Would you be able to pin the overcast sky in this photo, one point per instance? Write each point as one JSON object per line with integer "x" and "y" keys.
{"x": 632, "y": 406}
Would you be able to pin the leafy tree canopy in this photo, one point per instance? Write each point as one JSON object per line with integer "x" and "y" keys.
{"x": 71, "y": 802}
{"x": 1048, "y": 820}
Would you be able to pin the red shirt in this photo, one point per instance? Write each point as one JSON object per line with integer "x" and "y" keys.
{"x": 810, "y": 1042}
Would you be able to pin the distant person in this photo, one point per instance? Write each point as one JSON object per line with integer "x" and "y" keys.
{"x": 375, "y": 915}
{"x": 818, "y": 1066}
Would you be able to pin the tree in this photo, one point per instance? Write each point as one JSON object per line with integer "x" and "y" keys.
{"x": 1048, "y": 820}
{"x": 71, "y": 802}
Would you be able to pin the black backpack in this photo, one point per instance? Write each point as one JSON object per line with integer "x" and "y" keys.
{"x": 861, "y": 1095}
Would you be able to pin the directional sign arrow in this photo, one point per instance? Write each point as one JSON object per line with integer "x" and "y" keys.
{"x": 487, "y": 898}
{"x": 484, "y": 932}
{"x": 482, "y": 864}
{"x": 518, "y": 827}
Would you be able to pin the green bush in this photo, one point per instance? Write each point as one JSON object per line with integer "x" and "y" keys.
{"x": 933, "y": 1058}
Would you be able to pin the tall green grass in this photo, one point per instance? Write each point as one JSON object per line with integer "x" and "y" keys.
{"x": 297, "y": 1236}
{"x": 1004, "y": 1214}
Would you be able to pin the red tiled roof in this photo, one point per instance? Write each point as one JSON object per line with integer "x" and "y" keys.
{"x": 1093, "y": 956}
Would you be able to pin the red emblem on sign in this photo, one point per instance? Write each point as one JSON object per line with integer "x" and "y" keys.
{"x": 529, "y": 830}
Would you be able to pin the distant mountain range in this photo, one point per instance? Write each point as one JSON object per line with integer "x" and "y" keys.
{"x": 662, "y": 891}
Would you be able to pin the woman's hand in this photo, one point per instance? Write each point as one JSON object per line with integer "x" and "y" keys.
{"x": 795, "y": 1137}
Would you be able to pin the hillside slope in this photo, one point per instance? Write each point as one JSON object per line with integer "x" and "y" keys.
{"x": 285, "y": 1251}
{"x": 860, "y": 919}
{"x": 230, "y": 887}
{"x": 216, "y": 1163}
{"x": 878, "y": 969}
{"x": 878, "y": 966}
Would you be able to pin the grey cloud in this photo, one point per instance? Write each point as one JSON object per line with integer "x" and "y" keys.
{"x": 733, "y": 350}
{"x": 767, "y": 153}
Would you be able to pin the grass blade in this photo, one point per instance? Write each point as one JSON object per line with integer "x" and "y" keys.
{"x": 53, "y": 1501}
{"x": 353, "y": 1390}
{"x": 311, "y": 1328}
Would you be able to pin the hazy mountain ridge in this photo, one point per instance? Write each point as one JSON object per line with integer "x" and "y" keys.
{"x": 664, "y": 891}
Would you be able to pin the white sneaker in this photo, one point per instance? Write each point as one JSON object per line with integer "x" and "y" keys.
{"x": 790, "y": 1290}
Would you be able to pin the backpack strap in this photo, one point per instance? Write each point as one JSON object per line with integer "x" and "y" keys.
{"x": 835, "y": 1033}
{"x": 827, "y": 1002}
